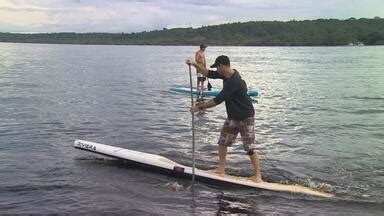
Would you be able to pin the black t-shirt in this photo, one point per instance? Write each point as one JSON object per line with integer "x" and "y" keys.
{"x": 237, "y": 101}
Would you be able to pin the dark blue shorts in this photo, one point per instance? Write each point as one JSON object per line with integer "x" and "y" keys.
{"x": 200, "y": 79}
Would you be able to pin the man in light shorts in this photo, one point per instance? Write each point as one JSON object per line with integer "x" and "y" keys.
{"x": 240, "y": 112}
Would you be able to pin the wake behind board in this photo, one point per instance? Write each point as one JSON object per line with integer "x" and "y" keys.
{"x": 212, "y": 92}
{"x": 168, "y": 166}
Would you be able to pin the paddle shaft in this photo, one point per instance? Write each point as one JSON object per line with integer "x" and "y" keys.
{"x": 193, "y": 127}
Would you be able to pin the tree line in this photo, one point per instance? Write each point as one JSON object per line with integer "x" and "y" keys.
{"x": 320, "y": 32}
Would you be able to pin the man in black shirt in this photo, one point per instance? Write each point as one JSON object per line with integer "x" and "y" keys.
{"x": 240, "y": 112}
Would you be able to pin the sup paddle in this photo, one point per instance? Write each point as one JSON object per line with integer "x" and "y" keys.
{"x": 209, "y": 86}
{"x": 193, "y": 127}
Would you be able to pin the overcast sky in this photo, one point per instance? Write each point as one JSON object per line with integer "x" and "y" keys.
{"x": 145, "y": 15}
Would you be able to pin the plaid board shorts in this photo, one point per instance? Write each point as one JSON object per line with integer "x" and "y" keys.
{"x": 246, "y": 128}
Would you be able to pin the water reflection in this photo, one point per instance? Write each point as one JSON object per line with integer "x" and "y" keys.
{"x": 319, "y": 109}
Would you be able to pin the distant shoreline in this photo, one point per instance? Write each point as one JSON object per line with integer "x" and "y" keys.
{"x": 320, "y": 32}
{"x": 189, "y": 45}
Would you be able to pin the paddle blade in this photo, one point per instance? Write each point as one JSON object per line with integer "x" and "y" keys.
{"x": 209, "y": 86}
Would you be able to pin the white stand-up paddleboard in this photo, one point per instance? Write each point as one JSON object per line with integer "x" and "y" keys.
{"x": 165, "y": 165}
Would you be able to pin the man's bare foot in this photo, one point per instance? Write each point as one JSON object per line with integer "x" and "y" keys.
{"x": 217, "y": 171}
{"x": 256, "y": 179}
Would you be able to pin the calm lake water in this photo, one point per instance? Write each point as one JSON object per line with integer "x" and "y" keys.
{"x": 319, "y": 122}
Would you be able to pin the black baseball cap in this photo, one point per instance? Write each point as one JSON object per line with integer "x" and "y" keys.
{"x": 224, "y": 60}
{"x": 203, "y": 46}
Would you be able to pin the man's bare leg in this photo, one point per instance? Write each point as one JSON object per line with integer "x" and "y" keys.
{"x": 256, "y": 165}
{"x": 222, "y": 160}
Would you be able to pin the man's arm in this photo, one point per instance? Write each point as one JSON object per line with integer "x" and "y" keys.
{"x": 227, "y": 91}
{"x": 204, "y": 105}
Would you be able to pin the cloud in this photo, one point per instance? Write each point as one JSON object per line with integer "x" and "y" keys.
{"x": 144, "y": 15}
